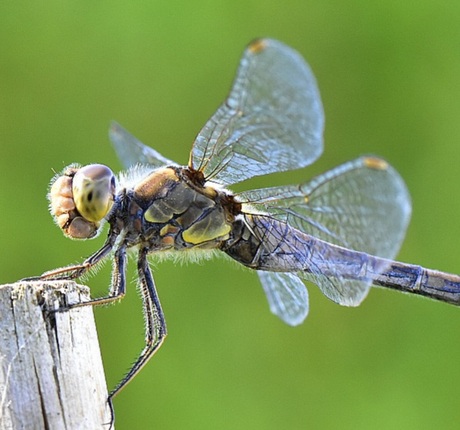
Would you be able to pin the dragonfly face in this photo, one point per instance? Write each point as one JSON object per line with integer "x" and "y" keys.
{"x": 272, "y": 121}
{"x": 80, "y": 198}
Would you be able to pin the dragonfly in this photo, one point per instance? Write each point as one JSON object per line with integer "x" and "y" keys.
{"x": 340, "y": 231}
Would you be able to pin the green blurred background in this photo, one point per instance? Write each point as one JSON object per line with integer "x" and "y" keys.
{"x": 388, "y": 72}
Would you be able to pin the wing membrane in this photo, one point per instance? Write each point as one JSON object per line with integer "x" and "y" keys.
{"x": 287, "y": 296}
{"x": 132, "y": 151}
{"x": 362, "y": 205}
{"x": 271, "y": 121}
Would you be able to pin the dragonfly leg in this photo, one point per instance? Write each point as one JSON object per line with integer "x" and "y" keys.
{"x": 155, "y": 331}
{"x": 118, "y": 286}
{"x": 74, "y": 272}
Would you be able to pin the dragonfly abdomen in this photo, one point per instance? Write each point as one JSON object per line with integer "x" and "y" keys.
{"x": 262, "y": 243}
{"x": 415, "y": 279}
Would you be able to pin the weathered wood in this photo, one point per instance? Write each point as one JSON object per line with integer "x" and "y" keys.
{"x": 51, "y": 374}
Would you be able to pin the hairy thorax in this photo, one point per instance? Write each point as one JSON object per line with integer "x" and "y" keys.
{"x": 170, "y": 209}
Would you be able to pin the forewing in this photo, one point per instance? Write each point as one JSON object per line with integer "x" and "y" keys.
{"x": 271, "y": 121}
{"x": 132, "y": 151}
{"x": 362, "y": 205}
{"x": 287, "y": 296}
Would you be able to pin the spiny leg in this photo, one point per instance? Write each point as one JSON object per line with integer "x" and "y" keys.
{"x": 74, "y": 272}
{"x": 155, "y": 330}
{"x": 118, "y": 284}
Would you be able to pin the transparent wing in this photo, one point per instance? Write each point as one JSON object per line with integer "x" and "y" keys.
{"x": 132, "y": 151}
{"x": 362, "y": 205}
{"x": 272, "y": 120}
{"x": 287, "y": 296}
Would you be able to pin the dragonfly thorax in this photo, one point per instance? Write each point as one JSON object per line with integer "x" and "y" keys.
{"x": 168, "y": 210}
{"x": 172, "y": 210}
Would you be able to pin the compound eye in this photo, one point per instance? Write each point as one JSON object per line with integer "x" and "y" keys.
{"x": 80, "y": 197}
{"x": 93, "y": 189}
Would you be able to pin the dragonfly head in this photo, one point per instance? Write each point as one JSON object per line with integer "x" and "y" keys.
{"x": 80, "y": 198}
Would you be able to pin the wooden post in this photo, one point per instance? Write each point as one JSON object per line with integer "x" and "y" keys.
{"x": 51, "y": 374}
